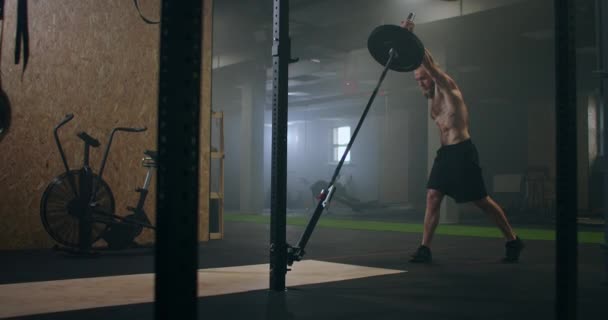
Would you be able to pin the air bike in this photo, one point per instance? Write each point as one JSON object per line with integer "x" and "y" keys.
{"x": 77, "y": 207}
{"x": 395, "y": 48}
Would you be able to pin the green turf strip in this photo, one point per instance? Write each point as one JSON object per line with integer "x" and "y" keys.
{"x": 454, "y": 230}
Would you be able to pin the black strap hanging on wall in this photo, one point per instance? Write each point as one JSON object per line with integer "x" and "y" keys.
{"x": 5, "y": 106}
{"x": 148, "y": 21}
{"x": 23, "y": 35}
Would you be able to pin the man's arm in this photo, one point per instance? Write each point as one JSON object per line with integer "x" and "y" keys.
{"x": 441, "y": 78}
{"x": 443, "y": 81}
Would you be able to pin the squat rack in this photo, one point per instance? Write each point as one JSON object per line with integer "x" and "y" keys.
{"x": 181, "y": 250}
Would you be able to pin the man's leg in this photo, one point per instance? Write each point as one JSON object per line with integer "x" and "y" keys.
{"x": 514, "y": 245}
{"x": 431, "y": 220}
{"x": 490, "y": 207}
{"x": 431, "y": 215}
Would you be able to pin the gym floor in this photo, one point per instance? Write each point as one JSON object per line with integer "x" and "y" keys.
{"x": 465, "y": 280}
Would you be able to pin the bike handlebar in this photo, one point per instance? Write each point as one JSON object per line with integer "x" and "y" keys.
{"x": 68, "y": 117}
{"x": 107, "y": 151}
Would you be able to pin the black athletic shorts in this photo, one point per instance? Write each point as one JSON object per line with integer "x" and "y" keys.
{"x": 456, "y": 172}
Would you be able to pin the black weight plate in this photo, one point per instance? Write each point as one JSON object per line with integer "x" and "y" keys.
{"x": 408, "y": 47}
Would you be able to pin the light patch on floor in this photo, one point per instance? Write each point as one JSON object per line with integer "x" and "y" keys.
{"x": 75, "y": 294}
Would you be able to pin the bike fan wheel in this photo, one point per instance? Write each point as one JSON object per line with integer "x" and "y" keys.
{"x": 59, "y": 212}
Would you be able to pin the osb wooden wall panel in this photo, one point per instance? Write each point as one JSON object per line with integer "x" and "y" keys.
{"x": 97, "y": 60}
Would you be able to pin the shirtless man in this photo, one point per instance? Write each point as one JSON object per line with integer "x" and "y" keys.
{"x": 456, "y": 171}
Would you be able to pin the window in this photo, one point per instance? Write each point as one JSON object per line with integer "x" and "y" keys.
{"x": 341, "y": 139}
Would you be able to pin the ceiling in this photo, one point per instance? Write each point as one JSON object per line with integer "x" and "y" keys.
{"x": 502, "y": 40}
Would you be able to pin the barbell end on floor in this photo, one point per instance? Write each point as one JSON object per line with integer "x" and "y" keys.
{"x": 294, "y": 254}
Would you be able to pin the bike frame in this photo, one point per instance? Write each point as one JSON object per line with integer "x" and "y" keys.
{"x": 86, "y": 192}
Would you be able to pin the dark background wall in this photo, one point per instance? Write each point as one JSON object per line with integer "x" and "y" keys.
{"x": 502, "y": 57}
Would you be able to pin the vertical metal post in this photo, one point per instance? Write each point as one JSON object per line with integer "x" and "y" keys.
{"x": 176, "y": 259}
{"x": 281, "y": 56}
{"x": 601, "y": 9}
{"x": 566, "y": 160}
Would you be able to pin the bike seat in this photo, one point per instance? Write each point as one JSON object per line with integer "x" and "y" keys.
{"x": 152, "y": 154}
{"x": 88, "y": 139}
